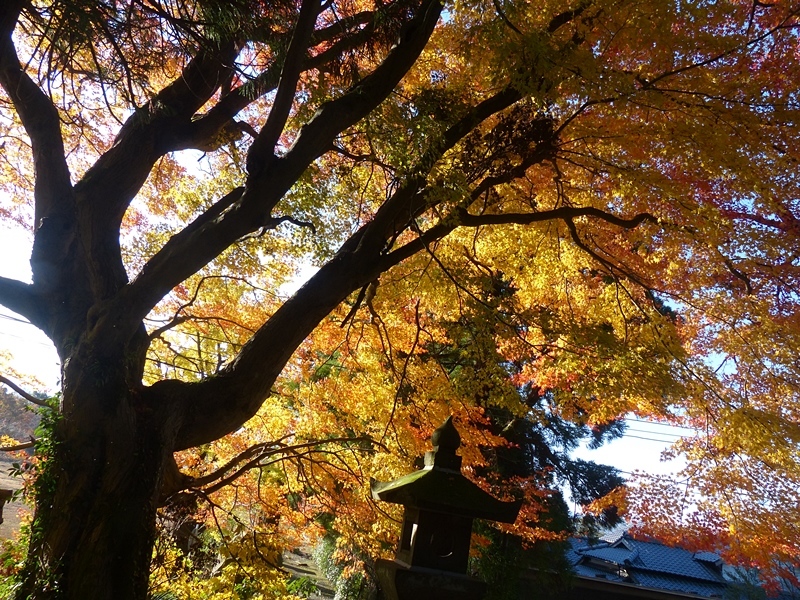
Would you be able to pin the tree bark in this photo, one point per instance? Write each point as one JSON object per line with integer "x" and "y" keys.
{"x": 99, "y": 492}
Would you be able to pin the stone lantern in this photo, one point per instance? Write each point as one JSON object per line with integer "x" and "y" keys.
{"x": 440, "y": 505}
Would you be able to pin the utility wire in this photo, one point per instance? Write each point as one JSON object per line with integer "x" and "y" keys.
{"x": 24, "y": 338}
{"x": 639, "y": 437}
{"x": 676, "y": 436}
{"x": 16, "y": 319}
{"x": 659, "y": 424}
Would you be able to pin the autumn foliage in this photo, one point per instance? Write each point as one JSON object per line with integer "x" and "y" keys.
{"x": 508, "y": 211}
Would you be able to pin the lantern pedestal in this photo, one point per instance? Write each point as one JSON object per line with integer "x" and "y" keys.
{"x": 401, "y": 582}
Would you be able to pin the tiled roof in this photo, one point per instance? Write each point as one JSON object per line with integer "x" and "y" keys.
{"x": 648, "y": 564}
{"x": 590, "y": 571}
{"x": 664, "y": 559}
{"x": 709, "y": 557}
{"x": 676, "y": 583}
{"x": 619, "y": 556}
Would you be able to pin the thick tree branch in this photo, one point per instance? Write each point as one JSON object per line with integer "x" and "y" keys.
{"x": 22, "y": 299}
{"x": 206, "y": 126}
{"x": 29, "y": 397}
{"x": 20, "y": 446}
{"x": 53, "y": 188}
{"x": 565, "y": 17}
{"x": 408, "y": 201}
{"x": 263, "y": 148}
{"x": 358, "y": 262}
{"x": 218, "y": 405}
{"x": 107, "y": 188}
{"x": 563, "y": 213}
{"x": 461, "y": 218}
{"x": 191, "y": 249}
{"x": 343, "y": 26}
{"x": 337, "y": 115}
{"x": 152, "y": 130}
{"x": 214, "y": 211}
{"x": 166, "y": 124}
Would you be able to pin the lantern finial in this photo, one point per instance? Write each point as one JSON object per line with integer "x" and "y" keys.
{"x": 445, "y": 440}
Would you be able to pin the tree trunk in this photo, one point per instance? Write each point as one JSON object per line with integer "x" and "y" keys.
{"x": 94, "y": 527}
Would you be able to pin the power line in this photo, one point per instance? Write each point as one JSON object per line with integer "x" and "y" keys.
{"x": 21, "y": 321}
{"x": 659, "y": 424}
{"x": 672, "y": 435}
{"x": 26, "y": 339}
{"x": 639, "y": 437}
{"x": 16, "y": 319}
{"x": 644, "y": 474}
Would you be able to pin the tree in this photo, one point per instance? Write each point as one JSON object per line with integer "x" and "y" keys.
{"x": 618, "y": 160}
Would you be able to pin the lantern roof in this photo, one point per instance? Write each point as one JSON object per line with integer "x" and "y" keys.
{"x": 441, "y": 487}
